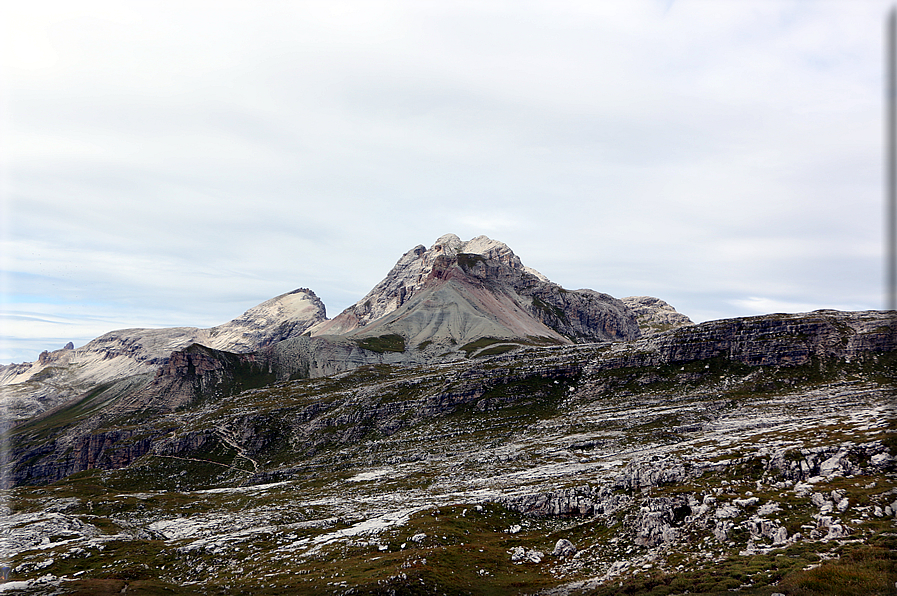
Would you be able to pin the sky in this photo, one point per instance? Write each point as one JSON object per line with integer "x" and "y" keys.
{"x": 176, "y": 163}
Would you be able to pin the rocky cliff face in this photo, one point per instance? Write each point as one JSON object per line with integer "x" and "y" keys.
{"x": 768, "y": 340}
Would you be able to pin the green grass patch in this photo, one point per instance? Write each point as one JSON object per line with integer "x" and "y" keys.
{"x": 860, "y": 571}
{"x": 384, "y": 343}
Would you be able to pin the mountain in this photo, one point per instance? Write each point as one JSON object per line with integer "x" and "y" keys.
{"x": 466, "y": 428}
{"x": 454, "y": 299}
{"x": 32, "y": 388}
{"x": 752, "y": 454}
{"x": 412, "y": 272}
{"x": 459, "y": 292}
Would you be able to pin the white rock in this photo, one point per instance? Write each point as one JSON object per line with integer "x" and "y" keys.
{"x": 534, "y": 556}
{"x": 727, "y": 511}
{"x": 768, "y": 508}
{"x": 837, "y": 531}
{"x": 721, "y": 530}
{"x": 832, "y": 465}
{"x": 563, "y": 548}
{"x": 780, "y": 536}
{"x": 802, "y": 489}
{"x": 879, "y": 459}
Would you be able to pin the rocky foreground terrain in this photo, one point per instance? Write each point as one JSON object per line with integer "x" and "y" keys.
{"x": 752, "y": 455}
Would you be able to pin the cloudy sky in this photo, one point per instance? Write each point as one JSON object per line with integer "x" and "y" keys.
{"x": 175, "y": 163}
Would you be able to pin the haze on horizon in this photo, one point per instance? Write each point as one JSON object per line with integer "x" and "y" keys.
{"x": 171, "y": 164}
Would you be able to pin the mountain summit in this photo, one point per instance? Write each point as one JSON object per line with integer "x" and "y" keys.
{"x": 411, "y": 273}
{"x": 458, "y": 292}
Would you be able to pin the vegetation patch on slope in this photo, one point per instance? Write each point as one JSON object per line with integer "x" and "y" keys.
{"x": 383, "y": 343}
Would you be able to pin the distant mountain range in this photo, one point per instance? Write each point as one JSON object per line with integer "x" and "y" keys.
{"x": 455, "y": 299}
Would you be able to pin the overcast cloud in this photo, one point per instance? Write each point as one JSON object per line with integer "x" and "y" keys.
{"x": 175, "y": 163}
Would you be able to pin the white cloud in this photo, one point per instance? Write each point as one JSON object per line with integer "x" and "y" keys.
{"x": 171, "y": 155}
{"x": 755, "y": 305}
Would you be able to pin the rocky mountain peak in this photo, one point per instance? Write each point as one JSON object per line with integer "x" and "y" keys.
{"x": 457, "y": 292}
{"x": 410, "y": 275}
{"x": 276, "y": 319}
{"x": 451, "y": 245}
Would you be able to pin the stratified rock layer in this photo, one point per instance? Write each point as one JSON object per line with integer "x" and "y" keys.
{"x": 727, "y": 351}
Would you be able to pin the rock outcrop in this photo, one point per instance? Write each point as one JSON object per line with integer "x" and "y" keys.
{"x": 767, "y": 340}
{"x": 654, "y": 315}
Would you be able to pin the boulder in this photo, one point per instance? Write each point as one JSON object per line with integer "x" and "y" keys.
{"x": 563, "y": 548}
